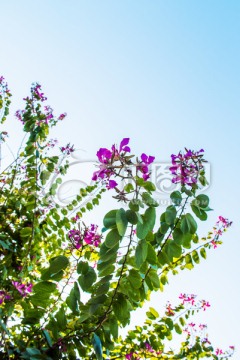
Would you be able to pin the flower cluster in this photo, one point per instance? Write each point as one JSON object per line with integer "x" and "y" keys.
{"x": 37, "y": 94}
{"x": 44, "y": 115}
{"x": 225, "y": 354}
{"x": 187, "y": 298}
{"x": 52, "y": 143}
{"x": 190, "y": 299}
{"x": 67, "y": 150}
{"x": 186, "y": 167}
{"x": 24, "y": 289}
{"x": 144, "y": 165}
{"x": 62, "y": 116}
{"x": 170, "y": 311}
{"x": 4, "y": 296}
{"x": 148, "y": 348}
{"x": 221, "y": 225}
{"x": 114, "y": 160}
{"x": 106, "y": 158}
{"x": 3, "y": 86}
{"x": 88, "y": 236}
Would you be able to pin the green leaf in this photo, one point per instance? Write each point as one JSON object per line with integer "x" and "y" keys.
{"x": 134, "y": 204}
{"x": 177, "y": 328}
{"x": 112, "y": 238}
{"x": 57, "y": 264}
{"x": 141, "y": 252}
{"x": 148, "y": 200}
{"x": 87, "y": 280}
{"x": 73, "y": 299}
{"x": 203, "y": 253}
{"x": 188, "y": 261}
{"x": 132, "y": 217}
{"x": 61, "y": 319}
{"x": 170, "y": 215}
{"x": 44, "y": 286}
{"x": 121, "y": 309}
{"x": 47, "y": 337}
{"x": 151, "y": 255}
{"x": 153, "y": 313}
{"x": 108, "y": 253}
{"x": 150, "y": 218}
{"x": 202, "y": 201}
{"x": 173, "y": 250}
{"x": 109, "y": 220}
{"x": 195, "y": 257}
{"x": 113, "y": 327}
{"x": 40, "y": 299}
{"x": 26, "y": 232}
{"x": 188, "y": 224}
{"x": 121, "y": 221}
{"x": 153, "y": 276}
{"x": 176, "y": 197}
{"x": 178, "y": 236}
{"x": 200, "y": 213}
{"x": 135, "y": 279}
{"x": 128, "y": 188}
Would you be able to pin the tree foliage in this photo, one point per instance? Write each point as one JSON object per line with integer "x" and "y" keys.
{"x": 67, "y": 287}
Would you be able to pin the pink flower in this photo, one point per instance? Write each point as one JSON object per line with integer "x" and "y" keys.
{"x": 191, "y": 325}
{"x": 186, "y": 167}
{"x": 224, "y": 222}
{"x": 144, "y": 164}
{"x": 219, "y": 352}
{"x": 205, "y": 305}
{"x": 106, "y": 158}
{"x": 62, "y": 116}
{"x": 148, "y": 347}
{"x": 89, "y": 235}
{"x": 169, "y": 310}
{"x": 67, "y": 150}
{"x": 23, "y": 289}
{"x": 214, "y": 244}
{"x": 35, "y": 90}
{"x": 4, "y": 296}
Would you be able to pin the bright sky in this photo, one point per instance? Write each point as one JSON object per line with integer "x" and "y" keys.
{"x": 164, "y": 73}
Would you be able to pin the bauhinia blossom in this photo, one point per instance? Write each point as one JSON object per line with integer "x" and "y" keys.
{"x": 4, "y": 296}
{"x": 23, "y": 289}
{"x": 144, "y": 165}
{"x": 107, "y": 158}
{"x": 88, "y": 236}
{"x": 186, "y": 167}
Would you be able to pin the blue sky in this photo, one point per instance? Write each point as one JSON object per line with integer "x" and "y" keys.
{"x": 164, "y": 73}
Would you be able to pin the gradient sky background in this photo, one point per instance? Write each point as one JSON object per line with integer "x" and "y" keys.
{"x": 164, "y": 73}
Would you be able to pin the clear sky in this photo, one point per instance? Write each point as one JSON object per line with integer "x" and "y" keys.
{"x": 164, "y": 73}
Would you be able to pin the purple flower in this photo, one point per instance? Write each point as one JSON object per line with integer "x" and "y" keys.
{"x": 75, "y": 237}
{"x": 89, "y": 235}
{"x": 35, "y": 90}
{"x": 24, "y": 289}
{"x": 123, "y": 145}
{"x": 67, "y": 150}
{"x": 4, "y": 296}
{"x": 62, "y": 116}
{"x": 111, "y": 184}
{"x": 144, "y": 164}
{"x": 148, "y": 347}
{"x": 129, "y": 356}
{"x": 106, "y": 158}
{"x": 19, "y": 115}
{"x": 186, "y": 167}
